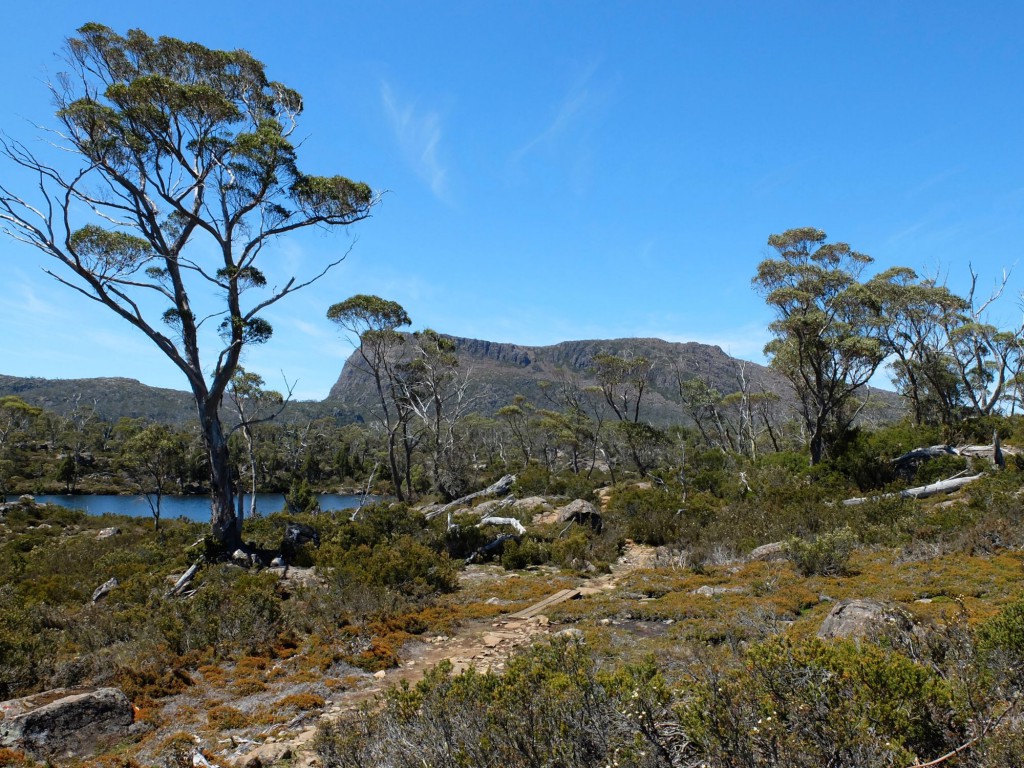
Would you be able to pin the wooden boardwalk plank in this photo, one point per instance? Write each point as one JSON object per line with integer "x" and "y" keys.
{"x": 558, "y": 597}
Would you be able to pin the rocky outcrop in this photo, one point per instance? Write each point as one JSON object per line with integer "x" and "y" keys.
{"x": 582, "y": 512}
{"x": 65, "y": 722}
{"x": 776, "y": 550}
{"x": 105, "y": 589}
{"x": 859, "y": 618}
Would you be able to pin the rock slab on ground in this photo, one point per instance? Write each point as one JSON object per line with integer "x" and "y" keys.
{"x": 853, "y": 618}
{"x": 65, "y": 722}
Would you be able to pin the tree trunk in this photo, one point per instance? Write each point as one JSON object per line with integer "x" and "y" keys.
{"x": 226, "y": 524}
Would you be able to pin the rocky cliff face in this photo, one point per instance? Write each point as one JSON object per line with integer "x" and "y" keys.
{"x": 499, "y": 371}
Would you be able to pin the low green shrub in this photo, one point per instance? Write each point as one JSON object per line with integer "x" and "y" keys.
{"x": 827, "y": 554}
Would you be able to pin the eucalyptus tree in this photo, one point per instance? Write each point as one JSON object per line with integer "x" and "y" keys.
{"x": 375, "y": 322}
{"x": 436, "y": 391}
{"x": 826, "y": 335}
{"x": 914, "y": 316}
{"x": 16, "y": 417}
{"x": 986, "y": 359}
{"x": 623, "y": 379}
{"x": 174, "y": 171}
{"x": 252, "y": 405}
{"x": 155, "y": 459}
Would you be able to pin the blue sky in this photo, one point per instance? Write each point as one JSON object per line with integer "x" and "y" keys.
{"x": 566, "y": 170}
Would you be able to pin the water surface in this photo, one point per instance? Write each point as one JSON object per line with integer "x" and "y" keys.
{"x": 196, "y": 508}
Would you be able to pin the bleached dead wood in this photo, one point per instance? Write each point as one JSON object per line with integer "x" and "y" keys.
{"x": 926, "y": 452}
{"x": 923, "y": 491}
{"x": 185, "y": 578}
{"x": 500, "y": 488}
{"x": 516, "y": 525}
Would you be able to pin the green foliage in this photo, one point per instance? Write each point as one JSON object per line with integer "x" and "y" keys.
{"x": 528, "y": 551}
{"x": 826, "y": 336}
{"x": 827, "y": 554}
{"x": 552, "y": 706}
{"x": 1000, "y": 645}
{"x": 810, "y": 703}
{"x": 649, "y": 515}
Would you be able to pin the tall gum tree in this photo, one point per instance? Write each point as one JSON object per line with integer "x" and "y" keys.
{"x": 375, "y": 322}
{"x": 186, "y": 173}
{"x": 826, "y": 334}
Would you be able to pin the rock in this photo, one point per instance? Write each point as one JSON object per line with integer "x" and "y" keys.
{"x": 486, "y": 508}
{"x": 774, "y": 551}
{"x": 104, "y": 589}
{"x": 106, "y": 533}
{"x": 582, "y": 512}
{"x": 531, "y": 503}
{"x": 277, "y": 562}
{"x": 26, "y": 498}
{"x": 380, "y": 674}
{"x": 241, "y": 557}
{"x": 297, "y": 535}
{"x": 491, "y": 640}
{"x": 857, "y": 618}
{"x": 65, "y": 722}
{"x": 266, "y": 755}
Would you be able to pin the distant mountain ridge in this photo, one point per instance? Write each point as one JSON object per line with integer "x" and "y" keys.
{"x": 498, "y": 372}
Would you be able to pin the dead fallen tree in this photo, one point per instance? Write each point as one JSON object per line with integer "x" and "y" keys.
{"x": 994, "y": 452}
{"x": 500, "y": 488}
{"x": 921, "y": 492}
{"x": 510, "y": 521}
{"x": 924, "y": 453}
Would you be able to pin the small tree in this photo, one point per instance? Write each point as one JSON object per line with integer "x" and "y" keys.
{"x": 375, "y": 322}
{"x": 155, "y": 460}
{"x": 252, "y": 405}
{"x": 435, "y": 390}
{"x": 623, "y": 381}
{"x": 913, "y": 315}
{"x": 16, "y": 416}
{"x": 826, "y": 336}
{"x": 186, "y": 174}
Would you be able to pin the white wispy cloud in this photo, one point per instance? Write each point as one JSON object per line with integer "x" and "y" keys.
{"x": 419, "y": 134}
{"x": 582, "y": 98}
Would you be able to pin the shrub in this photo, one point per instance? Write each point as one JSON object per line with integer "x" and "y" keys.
{"x": 649, "y": 515}
{"x": 528, "y": 551}
{"x": 1000, "y": 647}
{"x": 810, "y": 703}
{"x": 225, "y": 718}
{"x": 827, "y": 554}
{"x": 553, "y": 706}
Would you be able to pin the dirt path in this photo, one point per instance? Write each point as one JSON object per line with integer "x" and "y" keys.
{"x": 482, "y": 645}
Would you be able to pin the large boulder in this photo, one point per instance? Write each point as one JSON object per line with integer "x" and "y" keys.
{"x": 855, "y": 619}
{"x": 582, "y": 512}
{"x": 65, "y": 722}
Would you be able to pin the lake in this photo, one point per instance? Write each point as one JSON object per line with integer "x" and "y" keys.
{"x": 195, "y": 508}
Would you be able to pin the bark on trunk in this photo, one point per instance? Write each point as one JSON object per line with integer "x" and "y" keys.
{"x": 225, "y": 522}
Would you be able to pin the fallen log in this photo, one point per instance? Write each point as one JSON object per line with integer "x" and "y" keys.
{"x": 926, "y": 452}
{"x": 921, "y": 492}
{"x": 185, "y": 578}
{"x": 516, "y": 525}
{"x": 500, "y": 488}
{"x": 491, "y": 547}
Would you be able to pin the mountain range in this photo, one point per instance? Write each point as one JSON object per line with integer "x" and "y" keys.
{"x": 497, "y": 372}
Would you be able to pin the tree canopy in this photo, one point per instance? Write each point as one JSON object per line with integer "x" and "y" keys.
{"x": 186, "y": 172}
